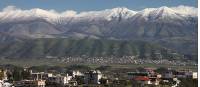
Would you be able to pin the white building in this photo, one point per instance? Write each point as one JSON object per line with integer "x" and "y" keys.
{"x": 77, "y": 73}
{"x": 195, "y": 75}
{"x": 5, "y": 84}
{"x": 41, "y": 76}
{"x": 63, "y": 80}
{"x": 40, "y": 83}
{"x": 92, "y": 77}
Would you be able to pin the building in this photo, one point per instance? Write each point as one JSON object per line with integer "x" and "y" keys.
{"x": 168, "y": 75}
{"x": 58, "y": 79}
{"x": 186, "y": 74}
{"x": 144, "y": 78}
{"x": 92, "y": 77}
{"x": 119, "y": 83}
{"x": 40, "y": 76}
{"x": 132, "y": 75}
{"x": 195, "y": 75}
{"x": 180, "y": 74}
{"x": 30, "y": 83}
{"x": 5, "y": 84}
{"x": 104, "y": 80}
{"x": 154, "y": 80}
{"x": 72, "y": 83}
{"x": 150, "y": 70}
{"x": 77, "y": 73}
{"x": 40, "y": 83}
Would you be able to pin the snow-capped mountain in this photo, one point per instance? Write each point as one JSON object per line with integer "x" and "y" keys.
{"x": 171, "y": 27}
{"x": 164, "y": 12}
{"x": 108, "y": 14}
{"x": 116, "y": 23}
{"x": 11, "y": 13}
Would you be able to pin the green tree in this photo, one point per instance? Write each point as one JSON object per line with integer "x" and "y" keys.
{"x": 17, "y": 75}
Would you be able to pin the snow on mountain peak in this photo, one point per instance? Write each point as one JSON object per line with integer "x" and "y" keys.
{"x": 122, "y": 12}
{"x": 165, "y": 9}
{"x": 163, "y": 12}
{"x": 186, "y": 10}
{"x": 12, "y": 13}
{"x": 108, "y": 14}
{"x": 145, "y": 12}
{"x": 43, "y": 13}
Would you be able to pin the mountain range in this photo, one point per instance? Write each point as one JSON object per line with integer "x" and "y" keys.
{"x": 173, "y": 28}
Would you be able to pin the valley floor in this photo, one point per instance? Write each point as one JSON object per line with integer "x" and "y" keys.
{"x": 57, "y": 62}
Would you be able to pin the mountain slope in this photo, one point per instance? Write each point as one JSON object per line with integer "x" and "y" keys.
{"x": 173, "y": 28}
{"x": 85, "y": 47}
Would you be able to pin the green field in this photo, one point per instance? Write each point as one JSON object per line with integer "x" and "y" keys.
{"x": 55, "y": 62}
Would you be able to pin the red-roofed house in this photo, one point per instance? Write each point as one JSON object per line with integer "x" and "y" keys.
{"x": 142, "y": 79}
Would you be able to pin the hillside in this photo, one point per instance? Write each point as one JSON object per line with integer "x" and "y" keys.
{"x": 119, "y": 31}
{"x": 39, "y": 48}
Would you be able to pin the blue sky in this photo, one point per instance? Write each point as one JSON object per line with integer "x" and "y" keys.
{"x": 87, "y": 5}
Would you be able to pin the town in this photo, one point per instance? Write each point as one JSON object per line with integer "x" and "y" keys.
{"x": 103, "y": 76}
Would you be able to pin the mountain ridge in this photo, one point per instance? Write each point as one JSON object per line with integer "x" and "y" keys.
{"x": 12, "y": 13}
{"x": 174, "y": 28}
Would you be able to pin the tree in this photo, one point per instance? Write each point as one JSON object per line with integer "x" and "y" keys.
{"x": 1, "y": 74}
{"x": 17, "y": 75}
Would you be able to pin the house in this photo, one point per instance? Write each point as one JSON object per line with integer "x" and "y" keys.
{"x": 118, "y": 82}
{"x": 154, "y": 80}
{"x": 142, "y": 79}
{"x": 93, "y": 77}
{"x": 180, "y": 74}
{"x": 195, "y": 75}
{"x": 58, "y": 79}
{"x": 132, "y": 75}
{"x": 104, "y": 80}
{"x": 5, "y": 84}
{"x": 40, "y": 83}
{"x": 77, "y": 73}
{"x": 150, "y": 70}
{"x": 72, "y": 84}
{"x": 168, "y": 75}
{"x": 40, "y": 76}
{"x": 186, "y": 74}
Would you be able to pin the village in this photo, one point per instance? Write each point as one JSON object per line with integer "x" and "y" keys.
{"x": 140, "y": 77}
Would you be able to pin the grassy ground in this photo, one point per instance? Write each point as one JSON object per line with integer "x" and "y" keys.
{"x": 133, "y": 66}
{"x": 55, "y": 62}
